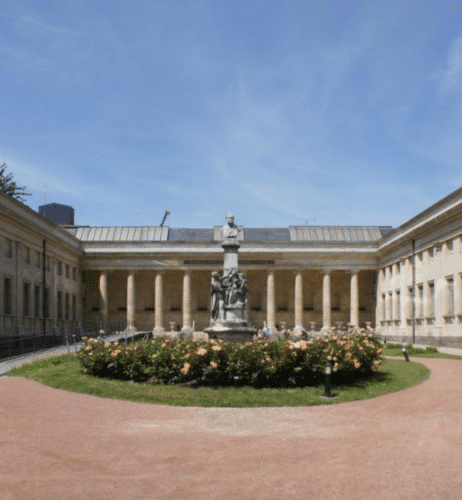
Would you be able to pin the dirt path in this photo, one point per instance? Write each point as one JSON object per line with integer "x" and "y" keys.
{"x": 60, "y": 445}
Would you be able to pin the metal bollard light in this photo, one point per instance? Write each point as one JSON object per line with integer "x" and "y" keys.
{"x": 75, "y": 345}
{"x": 405, "y": 354}
{"x": 327, "y": 386}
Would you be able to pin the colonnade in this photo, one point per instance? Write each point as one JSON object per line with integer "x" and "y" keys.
{"x": 270, "y": 297}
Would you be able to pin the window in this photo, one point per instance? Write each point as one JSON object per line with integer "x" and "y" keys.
{"x": 419, "y": 305}
{"x": 25, "y": 299}
{"x": 67, "y": 270}
{"x": 450, "y": 296}
{"x": 37, "y": 259}
{"x": 449, "y": 246}
{"x": 431, "y": 299}
{"x": 37, "y": 301}
{"x": 48, "y": 264}
{"x": 9, "y": 248}
{"x": 390, "y": 305}
{"x": 431, "y": 252}
{"x": 410, "y": 302}
{"x": 73, "y": 307}
{"x": 66, "y": 306}
{"x": 27, "y": 255}
{"x": 74, "y": 273}
{"x": 60, "y": 268}
{"x": 335, "y": 305}
{"x": 309, "y": 302}
{"x": 398, "y": 305}
{"x": 59, "y": 312}
{"x": 398, "y": 267}
{"x": 7, "y": 296}
{"x": 384, "y": 307}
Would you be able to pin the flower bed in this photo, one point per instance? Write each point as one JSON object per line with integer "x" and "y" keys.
{"x": 261, "y": 363}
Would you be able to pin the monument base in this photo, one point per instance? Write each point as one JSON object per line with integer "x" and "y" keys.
{"x": 237, "y": 333}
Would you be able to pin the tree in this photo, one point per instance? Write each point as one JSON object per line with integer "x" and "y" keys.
{"x": 9, "y": 187}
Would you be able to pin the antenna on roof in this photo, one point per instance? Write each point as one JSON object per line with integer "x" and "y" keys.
{"x": 308, "y": 220}
{"x": 165, "y": 216}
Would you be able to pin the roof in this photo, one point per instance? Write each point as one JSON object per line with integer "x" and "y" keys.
{"x": 146, "y": 233}
{"x": 292, "y": 233}
{"x": 335, "y": 233}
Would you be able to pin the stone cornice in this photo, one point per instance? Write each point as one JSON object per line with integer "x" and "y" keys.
{"x": 31, "y": 221}
{"x": 166, "y": 247}
{"x": 444, "y": 211}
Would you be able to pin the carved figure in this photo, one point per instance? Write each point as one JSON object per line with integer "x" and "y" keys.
{"x": 230, "y": 289}
{"x": 217, "y": 297}
{"x": 230, "y": 230}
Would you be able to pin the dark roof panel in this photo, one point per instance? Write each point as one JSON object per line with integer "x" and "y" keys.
{"x": 335, "y": 233}
{"x": 266, "y": 234}
{"x": 190, "y": 234}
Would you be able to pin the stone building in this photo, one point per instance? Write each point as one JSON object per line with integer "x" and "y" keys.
{"x": 405, "y": 281}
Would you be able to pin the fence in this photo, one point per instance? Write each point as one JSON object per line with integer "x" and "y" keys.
{"x": 25, "y": 344}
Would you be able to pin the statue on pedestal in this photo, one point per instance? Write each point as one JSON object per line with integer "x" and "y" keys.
{"x": 229, "y": 292}
{"x": 230, "y": 230}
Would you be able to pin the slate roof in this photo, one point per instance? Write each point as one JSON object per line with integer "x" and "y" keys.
{"x": 190, "y": 234}
{"x": 266, "y": 234}
{"x": 335, "y": 233}
{"x": 146, "y": 233}
{"x": 292, "y": 233}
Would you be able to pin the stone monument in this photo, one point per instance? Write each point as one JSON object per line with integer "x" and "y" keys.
{"x": 229, "y": 293}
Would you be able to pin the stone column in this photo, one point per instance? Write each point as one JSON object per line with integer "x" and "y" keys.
{"x": 158, "y": 305}
{"x": 440, "y": 288}
{"x": 271, "y": 305}
{"x": 103, "y": 297}
{"x": 326, "y": 300}
{"x": 354, "y": 299}
{"x": 298, "y": 303}
{"x": 403, "y": 287}
{"x": 380, "y": 305}
{"x": 131, "y": 301}
{"x": 17, "y": 291}
{"x": 52, "y": 295}
{"x": 187, "y": 303}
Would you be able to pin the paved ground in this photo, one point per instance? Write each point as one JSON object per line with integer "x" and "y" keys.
{"x": 59, "y": 445}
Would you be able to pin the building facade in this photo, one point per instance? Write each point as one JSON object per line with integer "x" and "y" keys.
{"x": 406, "y": 282}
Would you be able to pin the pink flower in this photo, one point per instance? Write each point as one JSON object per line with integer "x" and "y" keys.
{"x": 214, "y": 365}
{"x": 185, "y": 368}
{"x": 201, "y": 351}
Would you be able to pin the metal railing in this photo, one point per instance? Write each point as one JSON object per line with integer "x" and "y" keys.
{"x": 19, "y": 345}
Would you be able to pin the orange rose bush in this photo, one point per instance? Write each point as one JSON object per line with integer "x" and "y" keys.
{"x": 260, "y": 363}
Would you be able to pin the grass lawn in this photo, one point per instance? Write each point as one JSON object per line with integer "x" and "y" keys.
{"x": 61, "y": 373}
{"x": 416, "y": 353}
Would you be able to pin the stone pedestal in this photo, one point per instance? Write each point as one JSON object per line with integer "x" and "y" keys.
{"x": 230, "y": 323}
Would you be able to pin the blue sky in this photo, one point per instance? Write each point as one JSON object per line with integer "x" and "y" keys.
{"x": 282, "y": 112}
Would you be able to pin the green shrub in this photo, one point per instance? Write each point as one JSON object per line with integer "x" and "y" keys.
{"x": 260, "y": 363}
{"x": 393, "y": 346}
